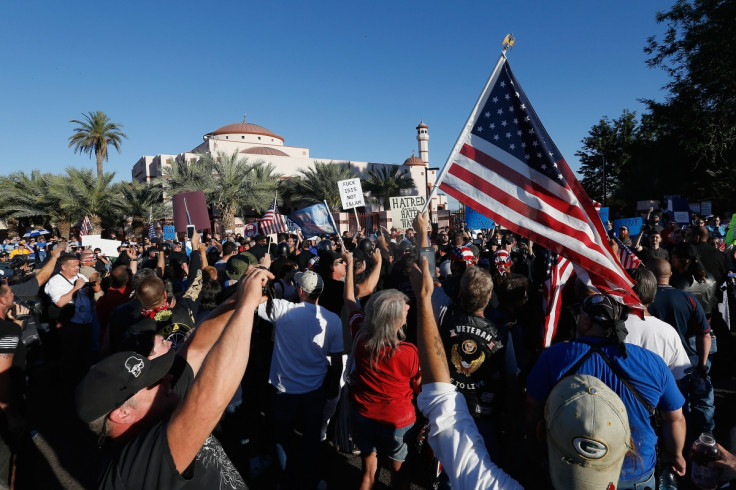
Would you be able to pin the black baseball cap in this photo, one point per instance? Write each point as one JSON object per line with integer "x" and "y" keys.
{"x": 115, "y": 379}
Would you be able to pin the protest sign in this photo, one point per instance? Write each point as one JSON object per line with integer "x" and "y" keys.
{"x": 706, "y": 208}
{"x": 603, "y": 213}
{"x": 250, "y": 230}
{"x": 351, "y": 193}
{"x": 108, "y": 247}
{"x": 633, "y": 224}
{"x": 680, "y": 209}
{"x": 404, "y": 209}
{"x": 193, "y": 202}
{"x": 695, "y": 207}
{"x": 645, "y": 205}
{"x": 169, "y": 232}
{"x": 474, "y": 220}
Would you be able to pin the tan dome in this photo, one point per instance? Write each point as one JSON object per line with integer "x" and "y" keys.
{"x": 245, "y": 128}
{"x": 262, "y": 150}
{"x": 413, "y": 161}
{"x": 422, "y": 125}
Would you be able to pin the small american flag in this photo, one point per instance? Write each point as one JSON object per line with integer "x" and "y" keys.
{"x": 506, "y": 166}
{"x": 273, "y": 222}
{"x": 151, "y": 230}
{"x": 558, "y": 273}
{"x": 626, "y": 256}
{"x": 86, "y": 228}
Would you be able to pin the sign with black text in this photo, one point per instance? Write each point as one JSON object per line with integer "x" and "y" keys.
{"x": 404, "y": 209}
{"x": 351, "y": 193}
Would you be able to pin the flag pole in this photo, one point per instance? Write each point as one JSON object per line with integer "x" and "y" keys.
{"x": 507, "y": 42}
{"x": 334, "y": 225}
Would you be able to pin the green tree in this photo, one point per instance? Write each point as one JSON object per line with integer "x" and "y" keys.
{"x": 77, "y": 193}
{"x": 95, "y": 135}
{"x": 698, "y": 116}
{"x": 140, "y": 202}
{"x": 23, "y": 199}
{"x": 387, "y": 181}
{"x": 606, "y": 154}
{"x": 317, "y": 184}
{"x": 230, "y": 183}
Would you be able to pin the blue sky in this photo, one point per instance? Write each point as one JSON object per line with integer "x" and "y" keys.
{"x": 349, "y": 80}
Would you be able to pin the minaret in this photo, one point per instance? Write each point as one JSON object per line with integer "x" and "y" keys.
{"x": 423, "y": 139}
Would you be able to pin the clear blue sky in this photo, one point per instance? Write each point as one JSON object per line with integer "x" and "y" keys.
{"x": 349, "y": 80}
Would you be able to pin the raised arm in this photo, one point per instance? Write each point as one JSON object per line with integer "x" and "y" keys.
{"x": 432, "y": 356}
{"x": 421, "y": 224}
{"x": 366, "y": 287}
{"x": 48, "y": 268}
{"x": 219, "y": 377}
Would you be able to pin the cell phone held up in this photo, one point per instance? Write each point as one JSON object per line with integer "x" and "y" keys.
{"x": 190, "y": 232}
{"x": 429, "y": 253}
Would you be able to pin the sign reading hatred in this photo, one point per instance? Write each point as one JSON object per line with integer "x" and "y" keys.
{"x": 404, "y": 209}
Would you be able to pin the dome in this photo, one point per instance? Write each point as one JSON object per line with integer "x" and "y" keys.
{"x": 262, "y": 150}
{"x": 245, "y": 128}
{"x": 422, "y": 125}
{"x": 413, "y": 161}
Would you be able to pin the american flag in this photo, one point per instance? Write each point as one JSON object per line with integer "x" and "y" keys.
{"x": 558, "y": 273}
{"x": 86, "y": 228}
{"x": 273, "y": 222}
{"x": 151, "y": 230}
{"x": 626, "y": 256}
{"x": 506, "y": 166}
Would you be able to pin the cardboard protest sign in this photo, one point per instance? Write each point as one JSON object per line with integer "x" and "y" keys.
{"x": 680, "y": 209}
{"x": 404, "y": 209}
{"x": 197, "y": 207}
{"x": 474, "y": 220}
{"x": 108, "y": 247}
{"x": 645, "y": 205}
{"x": 633, "y": 224}
{"x": 351, "y": 193}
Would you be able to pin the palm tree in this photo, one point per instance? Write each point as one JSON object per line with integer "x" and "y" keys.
{"x": 229, "y": 182}
{"x": 23, "y": 198}
{"x": 387, "y": 181}
{"x": 319, "y": 184}
{"x": 95, "y": 135}
{"x": 77, "y": 193}
{"x": 139, "y": 201}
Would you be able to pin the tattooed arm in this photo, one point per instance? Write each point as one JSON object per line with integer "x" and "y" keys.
{"x": 432, "y": 357}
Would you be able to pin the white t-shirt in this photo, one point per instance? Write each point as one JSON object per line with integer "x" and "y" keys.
{"x": 59, "y": 285}
{"x": 661, "y": 338}
{"x": 305, "y": 335}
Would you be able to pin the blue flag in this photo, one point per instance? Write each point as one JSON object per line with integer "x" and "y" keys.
{"x": 313, "y": 220}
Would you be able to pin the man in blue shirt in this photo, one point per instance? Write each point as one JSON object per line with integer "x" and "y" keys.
{"x": 639, "y": 377}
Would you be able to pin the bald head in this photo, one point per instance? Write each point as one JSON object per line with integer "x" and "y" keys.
{"x": 661, "y": 270}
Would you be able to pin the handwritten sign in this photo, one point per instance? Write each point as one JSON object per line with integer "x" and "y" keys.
{"x": 351, "y": 193}
{"x": 475, "y": 220}
{"x": 169, "y": 232}
{"x": 633, "y": 224}
{"x": 404, "y": 209}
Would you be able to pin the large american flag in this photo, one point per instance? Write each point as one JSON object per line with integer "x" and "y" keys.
{"x": 273, "y": 222}
{"x": 86, "y": 228}
{"x": 506, "y": 166}
{"x": 558, "y": 273}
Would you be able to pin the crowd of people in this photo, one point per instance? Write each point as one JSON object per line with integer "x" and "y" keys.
{"x": 406, "y": 347}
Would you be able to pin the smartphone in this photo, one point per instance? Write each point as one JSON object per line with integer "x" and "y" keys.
{"x": 190, "y": 232}
{"x": 429, "y": 253}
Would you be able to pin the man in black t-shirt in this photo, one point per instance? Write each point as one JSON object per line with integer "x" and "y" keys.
{"x": 160, "y": 429}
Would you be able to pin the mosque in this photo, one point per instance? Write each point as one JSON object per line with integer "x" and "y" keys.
{"x": 260, "y": 144}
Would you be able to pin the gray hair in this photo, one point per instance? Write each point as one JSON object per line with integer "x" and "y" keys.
{"x": 646, "y": 284}
{"x": 383, "y": 324}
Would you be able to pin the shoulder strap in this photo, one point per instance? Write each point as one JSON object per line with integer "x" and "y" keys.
{"x": 595, "y": 349}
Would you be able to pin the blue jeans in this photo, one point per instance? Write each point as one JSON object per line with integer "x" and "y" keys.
{"x": 303, "y": 411}
{"x": 699, "y": 406}
{"x": 647, "y": 483}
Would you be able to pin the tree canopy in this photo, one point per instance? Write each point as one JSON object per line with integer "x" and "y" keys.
{"x": 94, "y": 135}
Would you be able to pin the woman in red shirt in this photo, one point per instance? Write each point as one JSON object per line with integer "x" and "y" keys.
{"x": 384, "y": 382}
